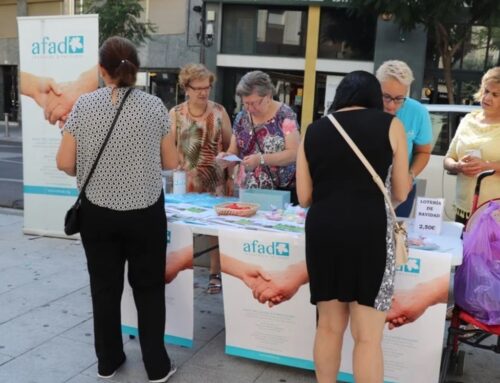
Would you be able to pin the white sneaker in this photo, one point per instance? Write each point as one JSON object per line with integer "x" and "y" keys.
{"x": 106, "y": 376}
{"x": 173, "y": 370}
{"x": 109, "y": 376}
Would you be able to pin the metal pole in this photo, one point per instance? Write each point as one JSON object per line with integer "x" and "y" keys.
{"x": 6, "y": 120}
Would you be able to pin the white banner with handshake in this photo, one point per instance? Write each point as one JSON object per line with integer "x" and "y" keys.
{"x": 268, "y": 316}
{"x": 58, "y": 62}
{"x": 267, "y": 312}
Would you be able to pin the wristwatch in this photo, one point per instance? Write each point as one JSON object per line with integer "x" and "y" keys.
{"x": 262, "y": 159}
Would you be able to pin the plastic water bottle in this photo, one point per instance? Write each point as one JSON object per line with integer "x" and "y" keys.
{"x": 179, "y": 182}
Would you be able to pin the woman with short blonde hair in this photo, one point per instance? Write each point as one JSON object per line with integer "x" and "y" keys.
{"x": 191, "y": 72}
{"x": 474, "y": 148}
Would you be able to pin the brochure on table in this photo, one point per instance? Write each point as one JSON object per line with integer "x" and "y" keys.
{"x": 179, "y": 293}
{"x": 280, "y": 334}
{"x": 198, "y": 211}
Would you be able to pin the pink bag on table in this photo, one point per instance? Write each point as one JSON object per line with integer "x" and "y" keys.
{"x": 477, "y": 279}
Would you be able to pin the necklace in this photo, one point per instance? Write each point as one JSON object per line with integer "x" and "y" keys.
{"x": 197, "y": 115}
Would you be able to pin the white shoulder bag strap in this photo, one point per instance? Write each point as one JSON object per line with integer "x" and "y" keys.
{"x": 365, "y": 162}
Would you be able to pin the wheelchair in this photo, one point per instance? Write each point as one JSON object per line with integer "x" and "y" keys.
{"x": 464, "y": 327}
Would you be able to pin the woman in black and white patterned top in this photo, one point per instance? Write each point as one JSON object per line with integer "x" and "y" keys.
{"x": 122, "y": 213}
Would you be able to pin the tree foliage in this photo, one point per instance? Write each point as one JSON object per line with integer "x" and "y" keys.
{"x": 449, "y": 20}
{"x": 121, "y": 18}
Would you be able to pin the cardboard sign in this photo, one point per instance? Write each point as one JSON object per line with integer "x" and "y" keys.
{"x": 429, "y": 215}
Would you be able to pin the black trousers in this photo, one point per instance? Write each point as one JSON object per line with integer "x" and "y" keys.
{"x": 110, "y": 238}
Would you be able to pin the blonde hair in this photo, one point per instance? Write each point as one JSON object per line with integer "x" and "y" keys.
{"x": 191, "y": 72}
{"x": 491, "y": 75}
{"x": 395, "y": 69}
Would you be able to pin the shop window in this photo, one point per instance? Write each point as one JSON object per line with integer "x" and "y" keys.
{"x": 266, "y": 31}
{"x": 346, "y": 36}
{"x": 493, "y": 57}
{"x": 474, "y": 49}
{"x": 479, "y": 52}
{"x": 444, "y": 126}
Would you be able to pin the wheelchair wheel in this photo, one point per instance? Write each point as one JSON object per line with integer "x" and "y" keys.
{"x": 446, "y": 363}
{"x": 456, "y": 363}
{"x": 459, "y": 366}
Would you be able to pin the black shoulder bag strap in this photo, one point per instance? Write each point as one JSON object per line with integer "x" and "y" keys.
{"x": 82, "y": 190}
{"x": 266, "y": 167}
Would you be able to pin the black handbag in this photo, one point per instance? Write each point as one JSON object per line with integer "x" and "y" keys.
{"x": 72, "y": 217}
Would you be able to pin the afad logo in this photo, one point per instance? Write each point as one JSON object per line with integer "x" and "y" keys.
{"x": 411, "y": 267}
{"x": 70, "y": 45}
{"x": 281, "y": 249}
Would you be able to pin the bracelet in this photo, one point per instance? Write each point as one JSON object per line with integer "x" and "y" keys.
{"x": 262, "y": 162}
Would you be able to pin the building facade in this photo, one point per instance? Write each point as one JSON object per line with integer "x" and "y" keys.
{"x": 306, "y": 46}
{"x": 174, "y": 44}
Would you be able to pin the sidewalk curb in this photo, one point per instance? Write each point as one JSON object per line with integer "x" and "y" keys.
{"x": 10, "y": 211}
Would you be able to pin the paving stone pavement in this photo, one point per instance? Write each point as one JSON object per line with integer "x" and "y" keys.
{"x": 46, "y": 325}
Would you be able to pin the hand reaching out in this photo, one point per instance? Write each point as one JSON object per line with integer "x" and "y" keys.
{"x": 409, "y": 305}
{"x": 38, "y": 88}
{"x": 282, "y": 285}
{"x": 252, "y": 275}
{"x": 177, "y": 261}
{"x": 58, "y": 106}
{"x": 57, "y": 100}
{"x": 273, "y": 288}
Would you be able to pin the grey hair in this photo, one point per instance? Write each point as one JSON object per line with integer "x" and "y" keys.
{"x": 256, "y": 81}
{"x": 395, "y": 69}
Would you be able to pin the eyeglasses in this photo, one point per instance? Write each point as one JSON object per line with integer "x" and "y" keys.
{"x": 396, "y": 100}
{"x": 199, "y": 90}
{"x": 253, "y": 104}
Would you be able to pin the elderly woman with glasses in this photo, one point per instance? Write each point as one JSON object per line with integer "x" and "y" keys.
{"x": 475, "y": 148}
{"x": 265, "y": 136}
{"x": 202, "y": 129}
{"x": 395, "y": 77}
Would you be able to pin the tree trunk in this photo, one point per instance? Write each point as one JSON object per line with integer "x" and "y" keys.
{"x": 447, "y": 52}
{"x": 446, "y": 57}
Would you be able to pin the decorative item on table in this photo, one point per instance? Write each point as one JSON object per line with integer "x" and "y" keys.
{"x": 420, "y": 243}
{"x": 266, "y": 198}
{"x": 294, "y": 214}
{"x": 275, "y": 214}
{"x": 241, "y": 209}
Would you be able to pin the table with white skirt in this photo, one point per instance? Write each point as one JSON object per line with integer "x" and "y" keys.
{"x": 284, "y": 333}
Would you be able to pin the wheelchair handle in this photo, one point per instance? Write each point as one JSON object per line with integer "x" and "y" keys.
{"x": 480, "y": 178}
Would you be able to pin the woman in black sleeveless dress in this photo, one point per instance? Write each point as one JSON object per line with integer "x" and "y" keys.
{"x": 349, "y": 257}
